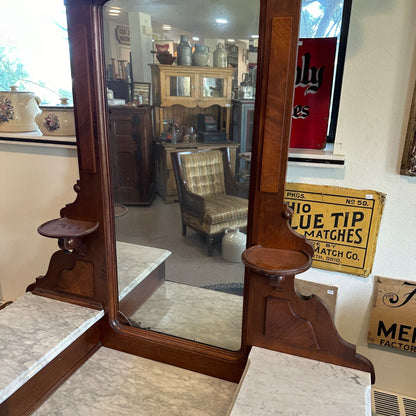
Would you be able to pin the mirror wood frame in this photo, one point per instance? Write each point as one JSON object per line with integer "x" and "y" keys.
{"x": 84, "y": 270}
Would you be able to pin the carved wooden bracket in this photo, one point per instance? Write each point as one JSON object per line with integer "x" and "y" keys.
{"x": 70, "y": 273}
{"x": 281, "y": 319}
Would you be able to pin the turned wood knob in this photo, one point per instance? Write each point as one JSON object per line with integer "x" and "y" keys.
{"x": 287, "y": 214}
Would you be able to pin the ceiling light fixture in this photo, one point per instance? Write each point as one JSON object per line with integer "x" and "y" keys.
{"x": 254, "y": 36}
{"x": 114, "y": 11}
{"x": 221, "y": 21}
{"x": 166, "y": 27}
{"x": 195, "y": 38}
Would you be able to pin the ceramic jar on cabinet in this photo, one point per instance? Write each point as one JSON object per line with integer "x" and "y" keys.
{"x": 220, "y": 56}
{"x": 201, "y": 55}
{"x": 184, "y": 51}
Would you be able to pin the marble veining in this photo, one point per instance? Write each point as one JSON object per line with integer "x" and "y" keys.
{"x": 285, "y": 385}
{"x": 135, "y": 263}
{"x": 194, "y": 313}
{"x": 33, "y": 331}
{"x": 118, "y": 384}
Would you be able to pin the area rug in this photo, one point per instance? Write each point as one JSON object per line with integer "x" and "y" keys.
{"x": 232, "y": 288}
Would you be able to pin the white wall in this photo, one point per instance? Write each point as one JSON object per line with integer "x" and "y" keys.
{"x": 35, "y": 183}
{"x": 377, "y": 90}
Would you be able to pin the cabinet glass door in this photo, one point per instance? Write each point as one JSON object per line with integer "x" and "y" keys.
{"x": 179, "y": 86}
{"x": 213, "y": 87}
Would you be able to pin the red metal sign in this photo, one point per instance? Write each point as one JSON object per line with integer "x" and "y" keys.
{"x": 313, "y": 88}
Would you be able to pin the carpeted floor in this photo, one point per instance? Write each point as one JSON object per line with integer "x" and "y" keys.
{"x": 232, "y": 288}
{"x": 159, "y": 225}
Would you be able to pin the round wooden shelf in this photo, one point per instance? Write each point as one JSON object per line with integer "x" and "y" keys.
{"x": 276, "y": 262}
{"x": 67, "y": 228}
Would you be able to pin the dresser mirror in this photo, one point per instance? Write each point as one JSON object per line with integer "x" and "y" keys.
{"x": 201, "y": 295}
{"x": 84, "y": 271}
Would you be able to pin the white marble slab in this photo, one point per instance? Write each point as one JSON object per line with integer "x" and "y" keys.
{"x": 135, "y": 263}
{"x": 202, "y": 315}
{"x": 33, "y": 331}
{"x": 286, "y": 385}
{"x": 113, "y": 383}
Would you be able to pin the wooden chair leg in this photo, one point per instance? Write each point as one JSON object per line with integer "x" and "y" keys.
{"x": 210, "y": 244}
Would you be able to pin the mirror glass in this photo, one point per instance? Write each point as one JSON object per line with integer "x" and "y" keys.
{"x": 180, "y": 86}
{"x": 189, "y": 286}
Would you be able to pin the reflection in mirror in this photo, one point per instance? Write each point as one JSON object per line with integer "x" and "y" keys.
{"x": 213, "y": 87}
{"x": 180, "y": 86}
{"x": 178, "y": 252}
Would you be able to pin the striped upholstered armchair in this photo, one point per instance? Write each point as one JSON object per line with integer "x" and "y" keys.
{"x": 210, "y": 198}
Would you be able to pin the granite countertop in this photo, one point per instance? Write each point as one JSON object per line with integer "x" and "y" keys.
{"x": 286, "y": 385}
{"x": 33, "y": 331}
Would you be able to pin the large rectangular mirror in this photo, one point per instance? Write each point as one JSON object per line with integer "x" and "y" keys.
{"x": 198, "y": 108}
{"x": 195, "y": 102}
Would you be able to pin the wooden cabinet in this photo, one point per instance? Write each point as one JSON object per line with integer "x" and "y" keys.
{"x": 131, "y": 154}
{"x": 193, "y": 87}
{"x": 164, "y": 174}
{"x": 242, "y": 133}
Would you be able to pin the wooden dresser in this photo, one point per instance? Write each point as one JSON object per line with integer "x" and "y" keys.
{"x": 131, "y": 154}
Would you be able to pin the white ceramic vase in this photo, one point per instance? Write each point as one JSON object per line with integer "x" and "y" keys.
{"x": 18, "y": 111}
{"x": 233, "y": 245}
{"x": 57, "y": 120}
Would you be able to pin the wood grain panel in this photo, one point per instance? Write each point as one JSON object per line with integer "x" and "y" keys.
{"x": 275, "y": 108}
{"x": 284, "y": 325}
{"x": 84, "y": 118}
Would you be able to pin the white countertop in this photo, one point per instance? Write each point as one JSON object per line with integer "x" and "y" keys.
{"x": 33, "y": 331}
{"x": 135, "y": 263}
{"x": 113, "y": 383}
{"x": 280, "y": 384}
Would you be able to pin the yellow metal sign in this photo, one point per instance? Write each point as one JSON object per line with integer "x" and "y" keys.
{"x": 341, "y": 223}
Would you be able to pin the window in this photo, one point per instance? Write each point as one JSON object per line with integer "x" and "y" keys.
{"x": 34, "y": 53}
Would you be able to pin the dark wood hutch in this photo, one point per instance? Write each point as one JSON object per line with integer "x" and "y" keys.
{"x": 84, "y": 270}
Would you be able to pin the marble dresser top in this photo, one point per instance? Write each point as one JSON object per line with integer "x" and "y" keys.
{"x": 285, "y": 385}
{"x": 202, "y": 315}
{"x": 135, "y": 263}
{"x": 113, "y": 383}
{"x": 33, "y": 331}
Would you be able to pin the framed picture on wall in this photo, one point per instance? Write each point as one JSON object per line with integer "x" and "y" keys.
{"x": 408, "y": 166}
{"x": 141, "y": 92}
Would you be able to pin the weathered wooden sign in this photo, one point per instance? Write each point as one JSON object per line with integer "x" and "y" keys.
{"x": 341, "y": 223}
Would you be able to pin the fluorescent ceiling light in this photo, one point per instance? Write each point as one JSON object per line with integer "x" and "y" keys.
{"x": 166, "y": 27}
{"x": 195, "y": 38}
{"x": 114, "y": 11}
{"x": 254, "y": 36}
{"x": 221, "y": 21}
{"x": 231, "y": 40}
